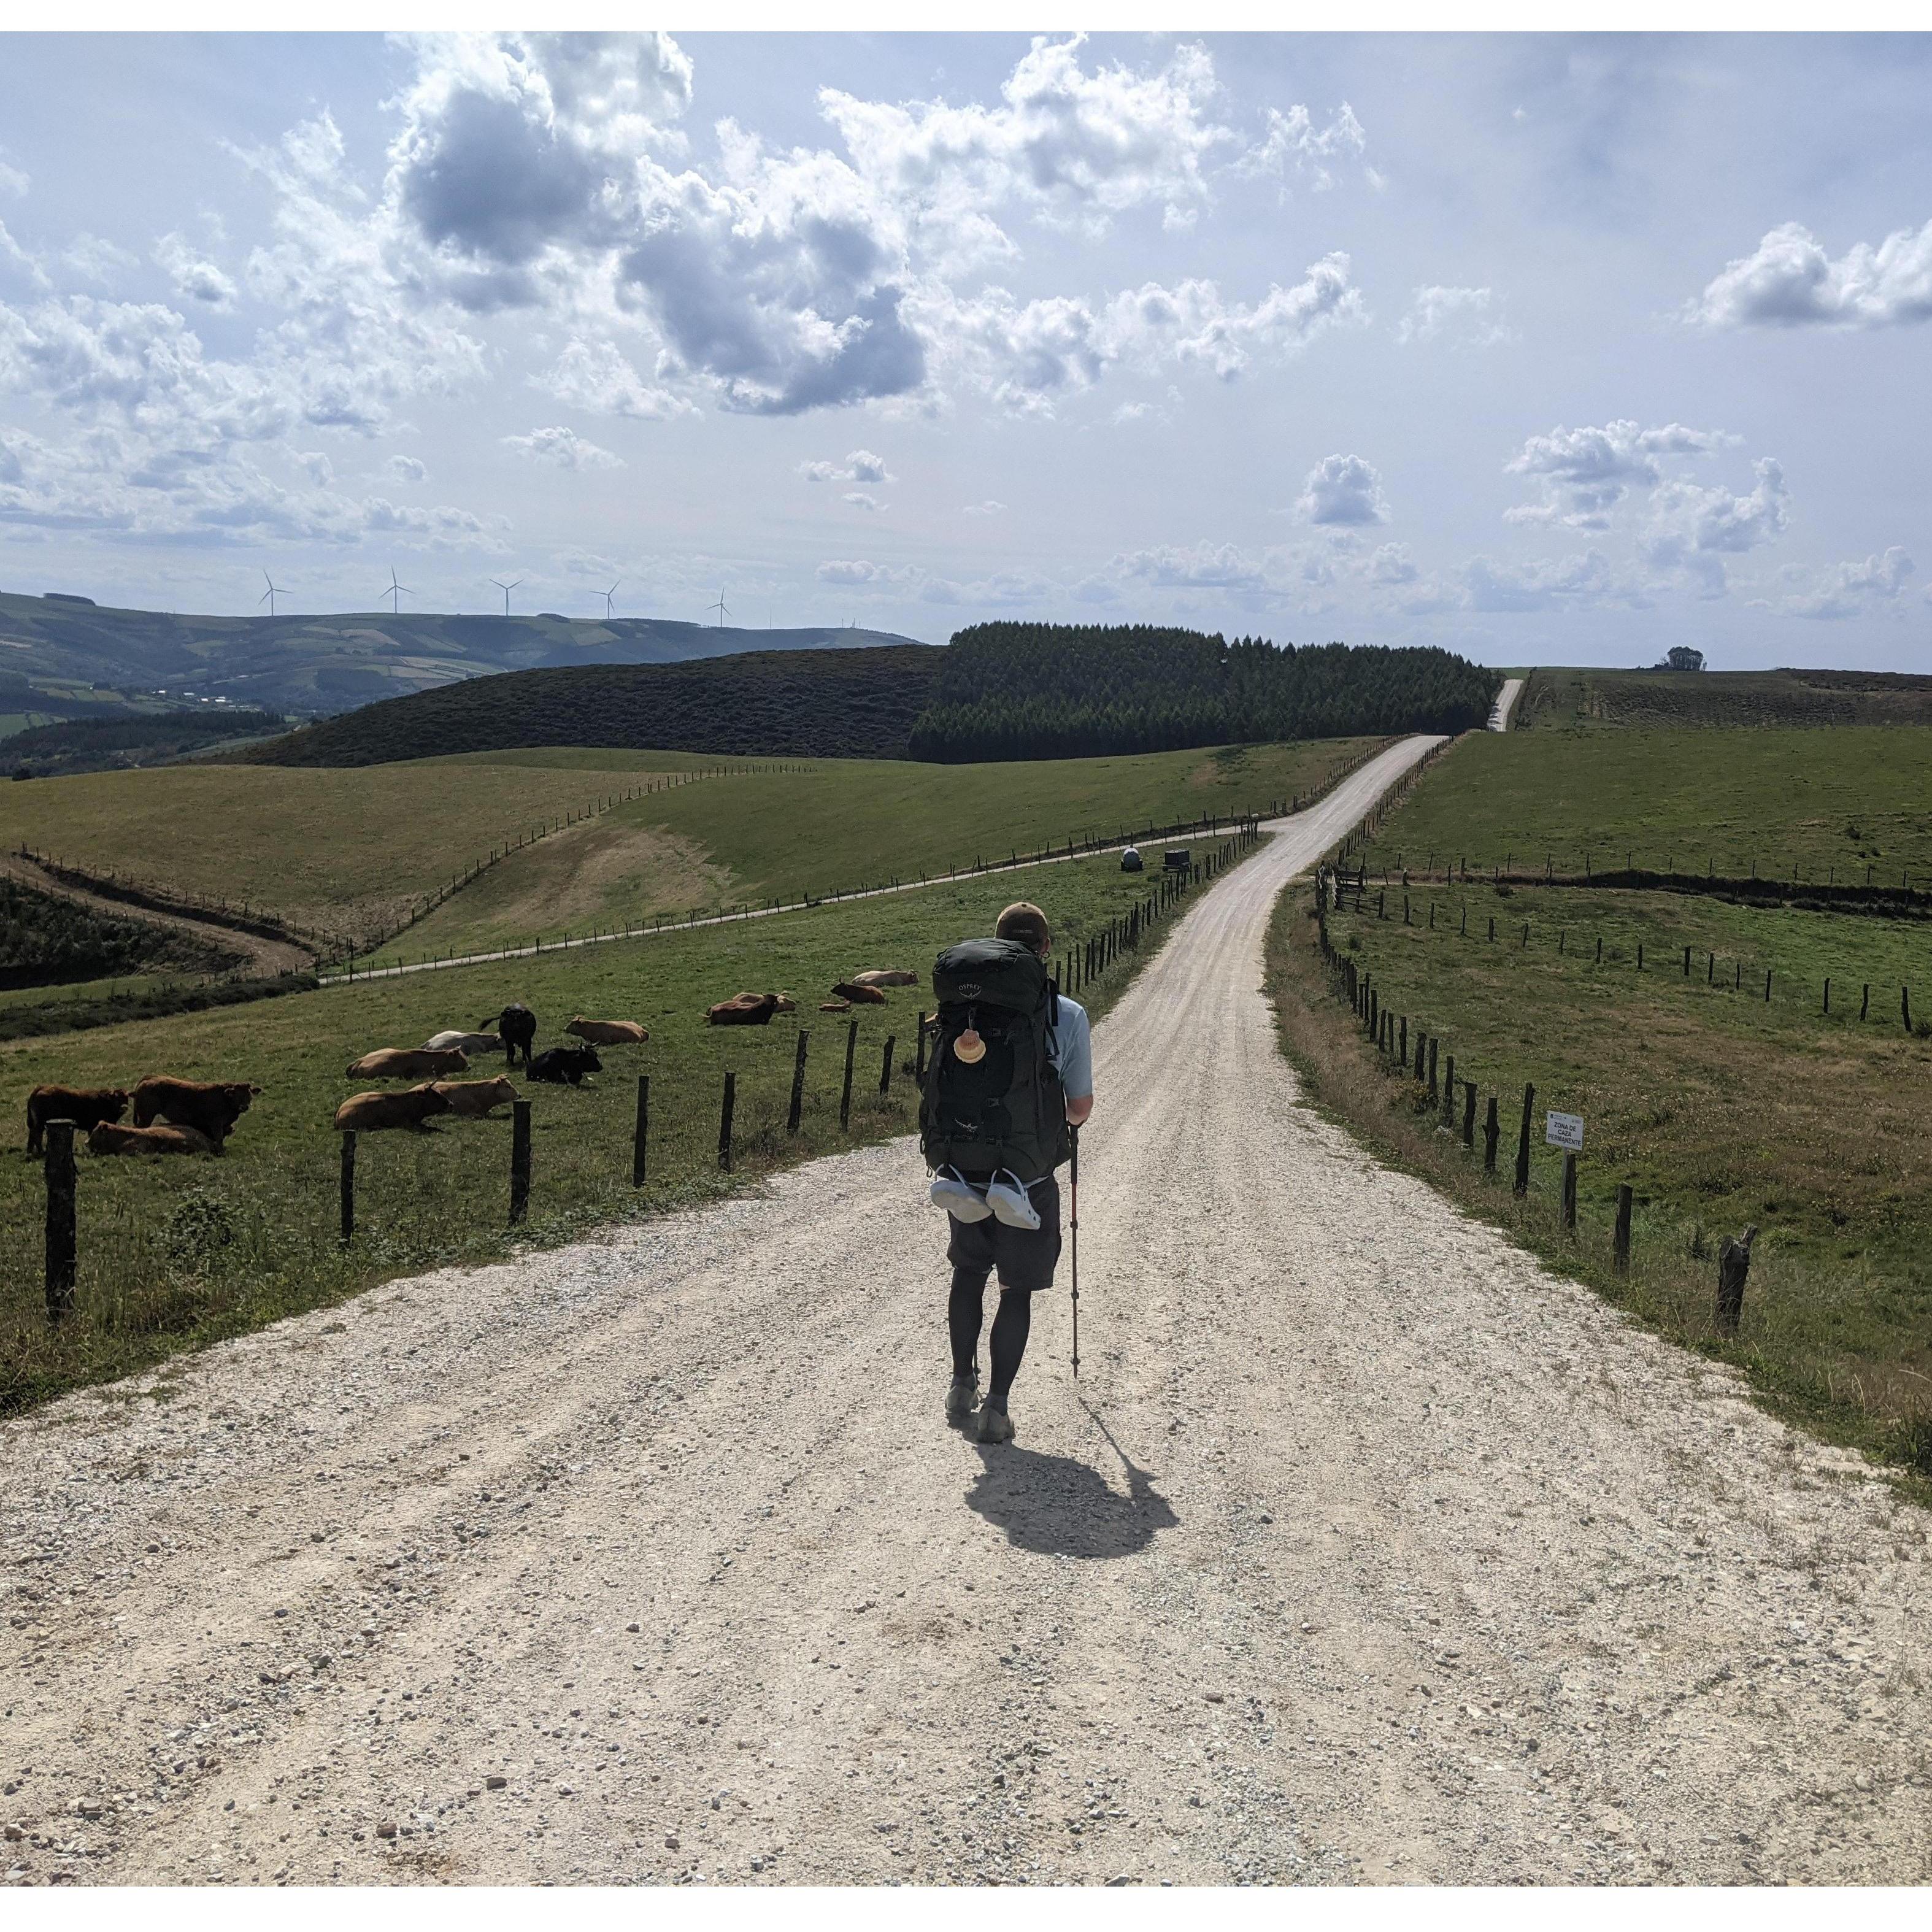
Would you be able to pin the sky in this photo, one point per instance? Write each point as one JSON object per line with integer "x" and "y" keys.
{"x": 1550, "y": 349}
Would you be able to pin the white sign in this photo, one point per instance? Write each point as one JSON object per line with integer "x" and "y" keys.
{"x": 1564, "y": 1130}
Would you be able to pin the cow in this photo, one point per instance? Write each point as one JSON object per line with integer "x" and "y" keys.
{"x": 408, "y": 1063}
{"x": 516, "y": 1025}
{"x": 471, "y": 1044}
{"x": 743, "y": 1010}
{"x": 473, "y": 1099}
{"x": 786, "y": 1004}
{"x": 886, "y": 975}
{"x": 835, "y": 1006}
{"x": 559, "y": 1064}
{"x": 85, "y": 1106}
{"x": 859, "y": 995}
{"x": 370, "y": 1113}
{"x": 107, "y": 1138}
{"x": 211, "y": 1107}
{"x": 608, "y": 1033}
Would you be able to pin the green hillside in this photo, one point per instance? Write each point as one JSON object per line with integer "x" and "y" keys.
{"x": 1588, "y": 699}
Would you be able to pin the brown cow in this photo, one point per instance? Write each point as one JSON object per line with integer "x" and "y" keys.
{"x": 409, "y": 1063}
{"x": 369, "y": 1113}
{"x": 473, "y": 1099}
{"x": 211, "y": 1107}
{"x": 85, "y": 1106}
{"x": 746, "y": 1009}
{"x": 608, "y": 1033}
{"x": 886, "y": 975}
{"x": 859, "y": 995}
{"x": 835, "y": 1006}
{"x": 106, "y": 1138}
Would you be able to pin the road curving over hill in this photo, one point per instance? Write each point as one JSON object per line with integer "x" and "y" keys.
{"x": 1363, "y": 1549}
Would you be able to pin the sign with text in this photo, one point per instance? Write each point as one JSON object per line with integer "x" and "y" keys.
{"x": 1564, "y": 1130}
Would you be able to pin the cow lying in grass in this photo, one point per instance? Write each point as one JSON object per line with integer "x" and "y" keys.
{"x": 886, "y": 975}
{"x": 408, "y": 1063}
{"x": 85, "y": 1106}
{"x": 743, "y": 1010}
{"x": 608, "y": 1033}
{"x": 473, "y": 1099}
{"x": 211, "y": 1107}
{"x": 107, "y": 1138}
{"x": 471, "y": 1044}
{"x": 859, "y": 995}
{"x": 370, "y": 1113}
{"x": 566, "y": 1065}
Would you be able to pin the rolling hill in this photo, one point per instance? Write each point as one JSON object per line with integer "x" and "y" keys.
{"x": 78, "y": 655}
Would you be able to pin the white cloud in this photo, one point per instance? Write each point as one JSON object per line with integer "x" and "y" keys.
{"x": 22, "y": 259}
{"x": 562, "y": 449}
{"x": 1194, "y": 567}
{"x": 408, "y": 469}
{"x": 850, "y": 571}
{"x": 1462, "y": 315}
{"x": 1294, "y": 147}
{"x": 860, "y": 466}
{"x": 95, "y": 260}
{"x": 193, "y": 275}
{"x": 1586, "y": 472}
{"x": 1849, "y": 590}
{"x": 315, "y": 465}
{"x": 12, "y": 180}
{"x": 1543, "y": 584}
{"x": 1788, "y": 281}
{"x": 864, "y": 500}
{"x": 1392, "y": 564}
{"x": 596, "y": 375}
{"x": 991, "y": 507}
{"x": 1343, "y": 489}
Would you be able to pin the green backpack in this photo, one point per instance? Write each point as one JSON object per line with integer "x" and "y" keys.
{"x": 1005, "y": 1108}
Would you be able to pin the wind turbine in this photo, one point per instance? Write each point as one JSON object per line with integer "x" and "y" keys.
{"x": 606, "y": 595}
{"x": 721, "y": 607}
{"x": 398, "y": 592}
{"x": 269, "y": 596}
{"x": 505, "y": 589}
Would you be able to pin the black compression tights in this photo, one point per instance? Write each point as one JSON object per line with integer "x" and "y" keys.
{"x": 965, "y": 1308}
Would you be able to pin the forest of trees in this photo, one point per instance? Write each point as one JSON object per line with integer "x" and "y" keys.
{"x": 1056, "y": 690}
{"x": 48, "y": 941}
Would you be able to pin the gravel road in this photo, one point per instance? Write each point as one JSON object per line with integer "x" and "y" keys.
{"x": 1362, "y": 1549}
{"x": 1506, "y": 698}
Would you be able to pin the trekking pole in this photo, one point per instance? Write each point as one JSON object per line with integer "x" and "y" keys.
{"x": 1073, "y": 1228}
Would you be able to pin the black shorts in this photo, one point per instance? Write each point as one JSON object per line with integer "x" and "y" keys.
{"x": 1025, "y": 1257}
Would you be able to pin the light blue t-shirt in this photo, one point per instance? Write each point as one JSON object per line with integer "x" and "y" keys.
{"x": 1072, "y": 1051}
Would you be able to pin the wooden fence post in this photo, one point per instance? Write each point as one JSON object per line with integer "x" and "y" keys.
{"x": 348, "y": 1187}
{"x": 1621, "y": 1253}
{"x": 59, "y": 1168}
{"x": 519, "y": 1160}
{"x": 1905, "y": 1007}
{"x": 1402, "y": 1051}
{"x": 886, "y": 1068}
{"x": 1569, "y": 1190}
{"x": 1864, "y": 1005}
{"x": 641, "y": 1134}
{"x": 797, "y": 1086}
{"x": 845, "y": 1097}
{"x": 725, "y": 1122}
{"x": 1522, "y": 1141}
{"x": 1449, "y": 1096}
{"x": 1434, "y": 1090}
{"x": 1492, "y": 1132}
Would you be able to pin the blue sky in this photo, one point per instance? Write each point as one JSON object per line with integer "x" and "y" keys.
{"x": 1548, "y": 349}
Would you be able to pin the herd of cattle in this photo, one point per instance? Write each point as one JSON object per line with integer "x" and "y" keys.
{"x": 174, "y": 1116}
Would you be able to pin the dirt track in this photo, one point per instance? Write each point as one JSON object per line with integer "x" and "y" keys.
{"x": 1362, "y": 1549}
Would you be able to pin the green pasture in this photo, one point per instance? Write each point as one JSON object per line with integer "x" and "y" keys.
{"x": 1825, "y": 804}
{"x": 1719, "y": 1108}
{"x": 1577, "y": 699}
{"x": 176, "y": 1253}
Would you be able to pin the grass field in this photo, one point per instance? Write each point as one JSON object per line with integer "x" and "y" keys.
{"x": 1824, "y": 803}
{"x": 1583, "y": 700}
{"x": 351, "y": 850}
{"x": 1717, "y": 1109}
{"x": 174, "y": 1254}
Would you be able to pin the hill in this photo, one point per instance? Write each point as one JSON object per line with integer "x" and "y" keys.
{"x": 126, "y": 739}
{"x": 1584, "y": 699}
{"x": 800, "y": 703}
{"x": 82, "y": 653}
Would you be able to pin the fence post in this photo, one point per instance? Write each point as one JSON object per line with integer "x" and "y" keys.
{"x": 348, "y": 1187}
{"x": 1905, "y": 1007}
{"x": 886, "y": 1068}
{"x": 1864, "y": 1005}
{"x": 1492, "y": 1133}
{"x": 725, "y": 1122}
{"x": 1449, "y": 1096}
{"x": 1569, "y": 1190}
{"x": 1621, "y": 1253}
{"x": 641, "y": 1134}
{"x": 1434, "y": 1090}
{"x": 793, "y": 1112}
{"x": 1523, "y": 1142}
{"x": 519, "y": 1160}
{"x": 845, "y": 1097}
{"x": 58, "y": 1168}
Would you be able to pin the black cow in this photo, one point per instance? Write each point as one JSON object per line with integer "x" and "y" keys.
{"x": 516, "y": 1025}
{"x": 558, "y": 1064}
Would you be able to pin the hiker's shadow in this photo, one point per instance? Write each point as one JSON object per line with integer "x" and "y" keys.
{"x": 1056, "y": 1507}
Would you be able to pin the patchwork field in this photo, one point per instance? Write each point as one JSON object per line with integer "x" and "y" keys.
{"x": 1587, "y": 700}
{"x": 1825, "y": 804}
{"x": 175, "y": 1253}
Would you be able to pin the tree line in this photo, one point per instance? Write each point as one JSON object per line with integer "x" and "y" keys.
{"x": 1014, "y": 691}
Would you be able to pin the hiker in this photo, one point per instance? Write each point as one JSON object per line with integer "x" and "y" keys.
{"x": 1011, "y": 1072}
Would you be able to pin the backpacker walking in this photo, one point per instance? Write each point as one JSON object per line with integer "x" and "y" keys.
{"x": 1011, "y": 1071}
